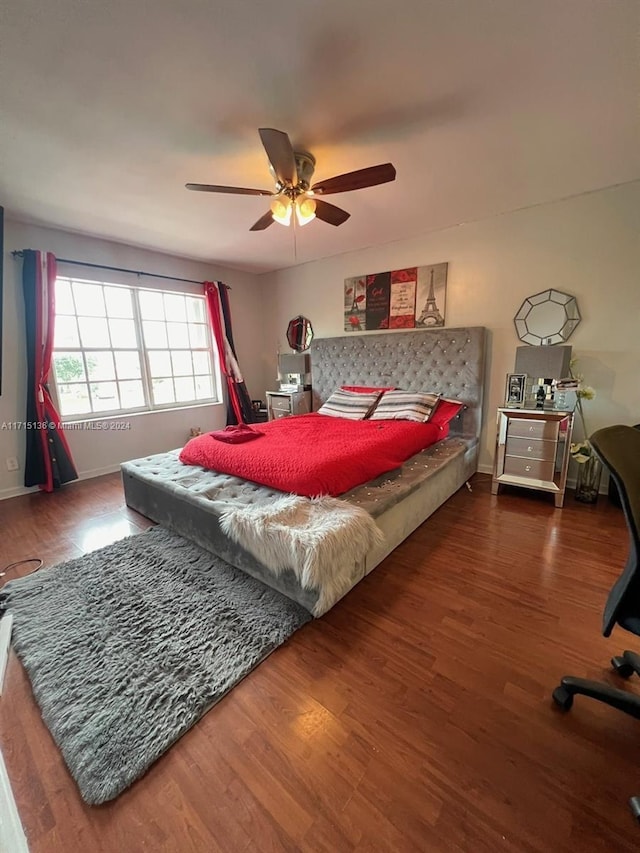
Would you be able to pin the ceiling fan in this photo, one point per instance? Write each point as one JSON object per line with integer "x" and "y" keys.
{"x": 292, "y": 171}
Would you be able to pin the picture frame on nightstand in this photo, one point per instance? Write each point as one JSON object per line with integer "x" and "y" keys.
{"x": 515, "y": 391}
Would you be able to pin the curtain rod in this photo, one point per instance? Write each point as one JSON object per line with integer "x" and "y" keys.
{"x": 20, "y": 254}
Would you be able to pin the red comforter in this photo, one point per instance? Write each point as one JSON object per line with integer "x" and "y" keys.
{"x": 315, "y": 454}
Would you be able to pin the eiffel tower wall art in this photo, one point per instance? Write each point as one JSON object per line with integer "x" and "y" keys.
{"x": 410, "y": 298}
{"x": 431, "y": 295}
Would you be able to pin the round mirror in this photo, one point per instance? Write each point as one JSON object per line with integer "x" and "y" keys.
{"x": 547, "y": 318}
{"x": 299, "y": 333}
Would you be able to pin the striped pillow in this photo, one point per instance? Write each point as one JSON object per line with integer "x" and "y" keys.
{"x": 349, "y": 404}
{"x": 404, "y": 406}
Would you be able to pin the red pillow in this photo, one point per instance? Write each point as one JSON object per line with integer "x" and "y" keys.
{"x": 445, "y": 411}
{"x": 365, "y": 389}
{"x": 236, "y": 434}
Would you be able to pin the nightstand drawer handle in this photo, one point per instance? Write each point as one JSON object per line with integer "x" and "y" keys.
{"x": 531, "y": 428}
{"x": 527, "y": 467}
{"x": 530, "y": 449}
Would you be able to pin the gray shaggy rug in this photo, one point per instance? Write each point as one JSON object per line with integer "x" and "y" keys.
{"x": 127, "y": 647}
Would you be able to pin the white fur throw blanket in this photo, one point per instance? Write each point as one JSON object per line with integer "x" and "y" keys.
{"x": 323, "y": 540}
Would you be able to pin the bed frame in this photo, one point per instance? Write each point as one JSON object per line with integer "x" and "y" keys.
{"x": 449, "y": 362}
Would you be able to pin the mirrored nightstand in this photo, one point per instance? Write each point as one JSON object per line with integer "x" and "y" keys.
{"x": 532, "y": 450}
{"x": 280, "y": 404}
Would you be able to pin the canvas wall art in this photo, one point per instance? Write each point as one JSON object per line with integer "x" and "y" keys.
{"x": 410, "y": 298}
{"x": 1, "y": 271}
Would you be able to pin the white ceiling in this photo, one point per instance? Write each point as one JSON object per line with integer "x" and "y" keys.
{"x": 108, "y": 107}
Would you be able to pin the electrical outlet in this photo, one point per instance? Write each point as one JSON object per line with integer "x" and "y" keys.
{"x": 12, "y": 464}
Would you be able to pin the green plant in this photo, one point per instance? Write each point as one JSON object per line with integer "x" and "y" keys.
{"x": 581, "y": 451}
{"x": 68, "y": 368}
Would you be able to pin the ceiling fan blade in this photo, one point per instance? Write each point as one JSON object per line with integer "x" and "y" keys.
{"x": 262, "y": 223}
{"x": 280, "y": 153}
{"x": 214, "y": 188}
{"x": 358, "y": 180}
{"x": 330, "y": 213}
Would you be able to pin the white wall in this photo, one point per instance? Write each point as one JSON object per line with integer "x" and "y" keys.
{"x": 588, "y": 246}
{"x": 97, "y": 452}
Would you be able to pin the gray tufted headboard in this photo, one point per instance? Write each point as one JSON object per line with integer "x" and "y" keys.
{"x": 449, "y": 362}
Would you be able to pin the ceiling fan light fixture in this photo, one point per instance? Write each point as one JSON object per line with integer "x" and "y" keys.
{"x": 292, "y": 172}
{"x": 305, "y": 210}
{"x": 281, "y": 209}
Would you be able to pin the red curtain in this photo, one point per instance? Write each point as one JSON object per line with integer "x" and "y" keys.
{"x": 48, "y": 463}
{"x": 239, "y": 409}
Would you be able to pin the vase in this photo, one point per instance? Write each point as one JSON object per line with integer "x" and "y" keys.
{"x": 588, "y": 480}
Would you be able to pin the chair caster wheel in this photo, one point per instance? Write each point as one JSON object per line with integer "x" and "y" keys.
{"x": 622, "y": 668}
{"x": 634, "y": 803}
{"x": 562, "y": 698}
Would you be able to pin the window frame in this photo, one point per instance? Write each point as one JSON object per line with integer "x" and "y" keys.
{"x": 142, "y": 351}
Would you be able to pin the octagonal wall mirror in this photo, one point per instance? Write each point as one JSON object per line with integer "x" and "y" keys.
{"x": 299, "y": 333}
{"x": 547, "y": 318}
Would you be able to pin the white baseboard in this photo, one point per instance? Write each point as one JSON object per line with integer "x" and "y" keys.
{"x": 571, "y": 482}
{"x": 98, "y": 472}
{"x": 18, "y": 491}
{"x": 6, "y": 624}
{"x": 12, "y": 837}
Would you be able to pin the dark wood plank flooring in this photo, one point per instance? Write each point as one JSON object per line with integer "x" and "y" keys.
{"x": 414, "y": 716}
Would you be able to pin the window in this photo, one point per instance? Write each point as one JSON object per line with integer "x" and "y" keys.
{"x": 126, "y": 349}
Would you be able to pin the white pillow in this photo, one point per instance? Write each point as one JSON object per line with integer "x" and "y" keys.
{"x": 349, "y": 404}
{"x": 404, "y": 406}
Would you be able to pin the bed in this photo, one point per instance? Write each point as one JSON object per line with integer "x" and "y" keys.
{"x": 210, "y": 508}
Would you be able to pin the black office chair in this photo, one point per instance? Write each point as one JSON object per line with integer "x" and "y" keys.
{"x": 619, "y": 449}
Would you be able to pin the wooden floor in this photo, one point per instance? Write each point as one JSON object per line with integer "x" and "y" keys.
{"x": 414, "y": 716}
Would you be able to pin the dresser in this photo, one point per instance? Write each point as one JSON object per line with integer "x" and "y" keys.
{"x": 283, "y": 403}
{"x": 532, "y": 450}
